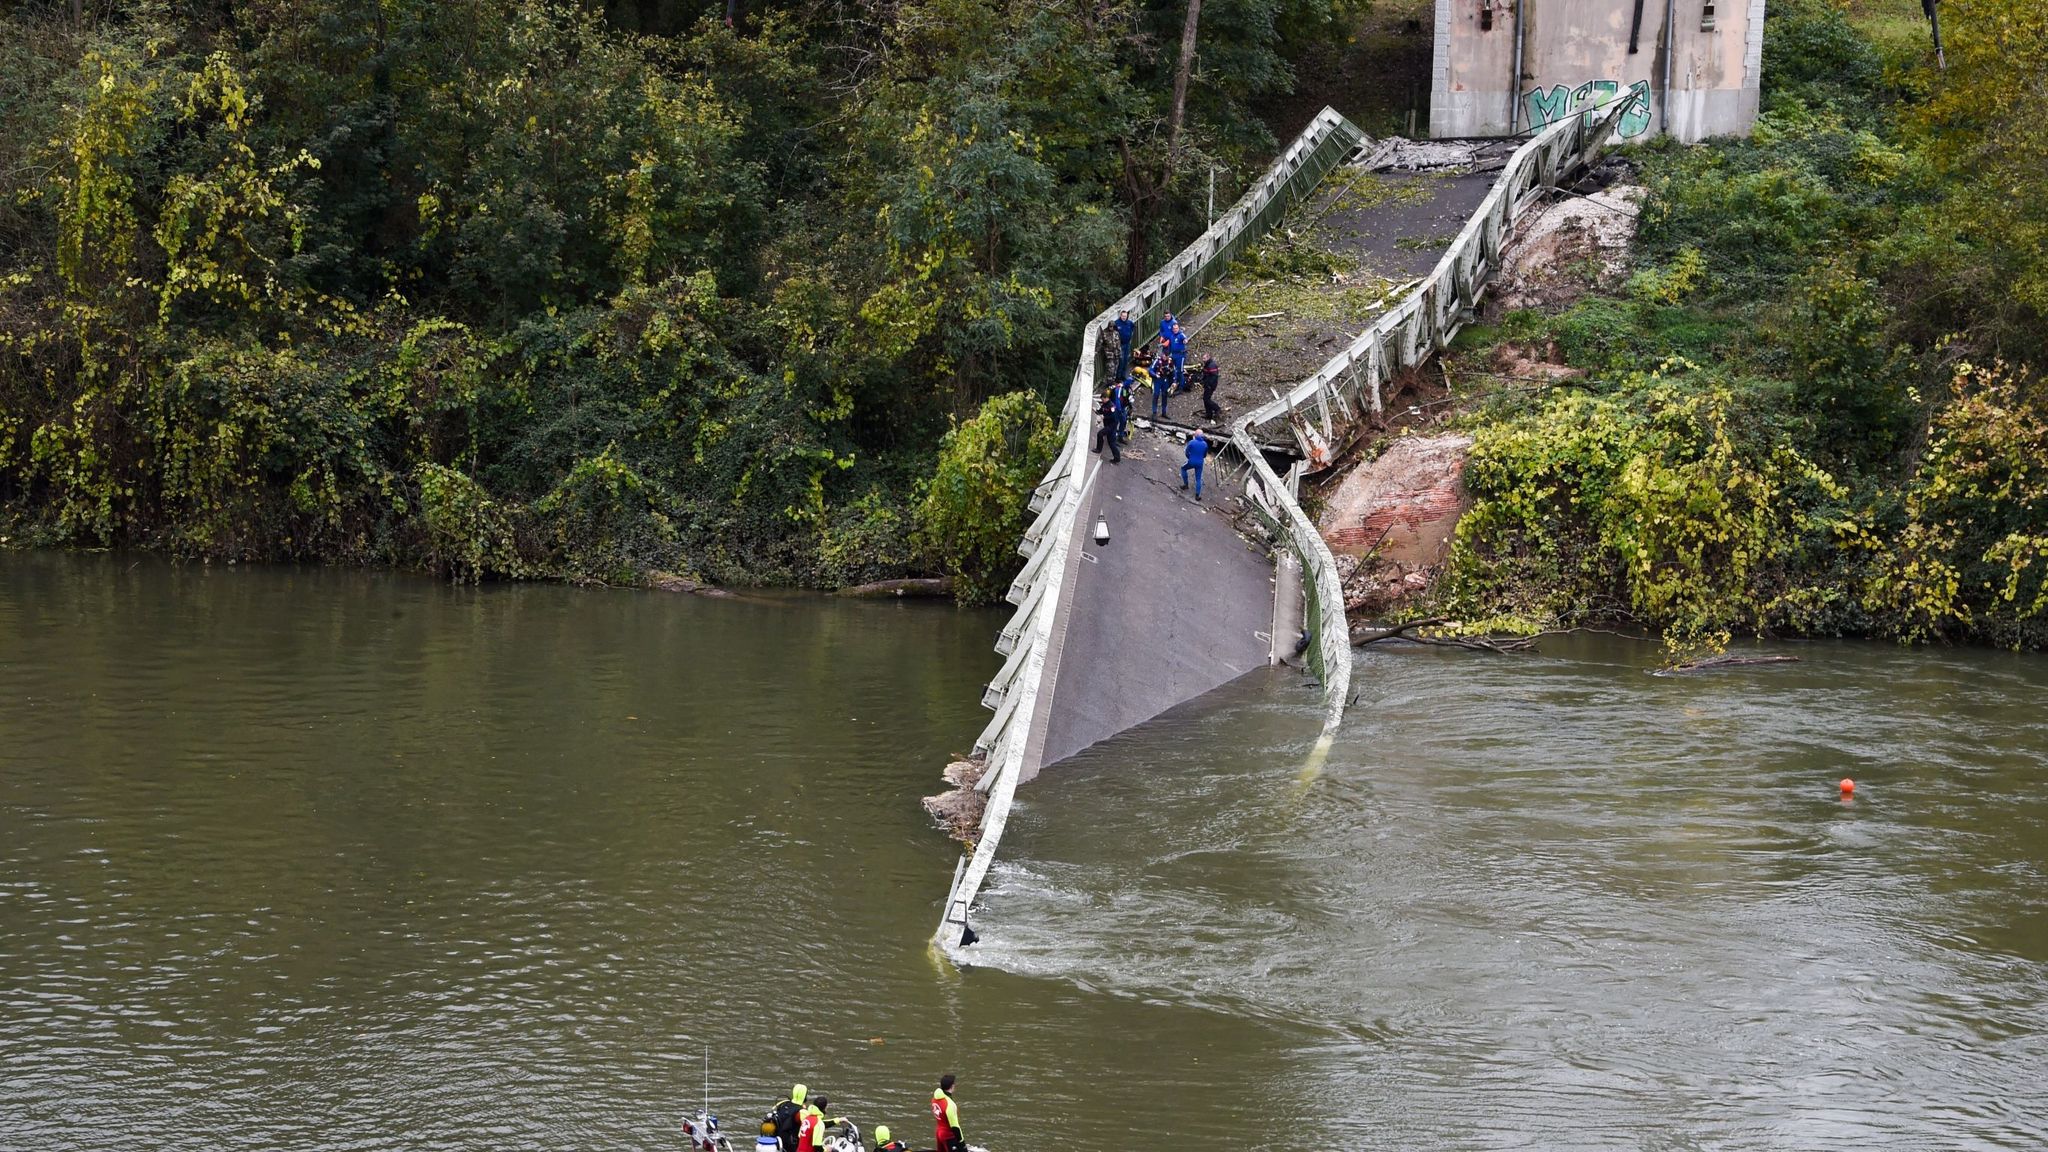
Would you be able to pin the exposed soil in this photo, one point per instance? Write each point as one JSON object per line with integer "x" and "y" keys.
{"x": 1572, "y": 246}
{"x": 1390, "y": 519}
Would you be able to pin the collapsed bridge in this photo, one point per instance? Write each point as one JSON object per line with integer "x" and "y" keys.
{"x": 1198, "y": 594}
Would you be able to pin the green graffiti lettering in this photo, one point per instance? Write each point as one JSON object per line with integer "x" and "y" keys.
{"x": 1635, "y": 119}
{"x": 1546, "y": 108}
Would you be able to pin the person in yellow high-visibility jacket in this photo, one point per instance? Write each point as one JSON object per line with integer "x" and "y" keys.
{"x": 811, "y": 1134}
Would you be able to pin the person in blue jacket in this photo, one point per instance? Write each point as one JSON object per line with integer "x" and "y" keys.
{"x": 1177, "y": 345}
{"x": 1121, "y": 393}
{"x": 1162, "y": 368}
{"x": 1198, "y": 451}
{"x": 1166, "y": 324}
{"x": 1125, "y": 330}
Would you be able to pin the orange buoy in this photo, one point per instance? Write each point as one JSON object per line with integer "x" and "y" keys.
{"x": 1848, "y": 785}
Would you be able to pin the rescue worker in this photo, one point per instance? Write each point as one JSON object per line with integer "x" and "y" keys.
{"x": 1108, "y": 435}
{"x": 1162, "y": 387}
{"x": 785, "y": 1120}
{"x": 946, "y": 1118}
{"x": 1198, "y": 452}
{"x": 884, "y": 1144}
{"x": 1125, "y": 330}
{"x": 1162, "y": 368}
{"x": 1212, "y": 374}
{"x": 811, "y": 1136}
{"x": 1177, "y": 347}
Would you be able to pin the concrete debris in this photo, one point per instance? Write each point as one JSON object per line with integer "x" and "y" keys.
{"x": 1568, "y": 248}
{"x": 1398, "y": 154}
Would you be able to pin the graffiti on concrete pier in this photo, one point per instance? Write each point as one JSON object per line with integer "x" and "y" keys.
{"x": 1546, "y": 107}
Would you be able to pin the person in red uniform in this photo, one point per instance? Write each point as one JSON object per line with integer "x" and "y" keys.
{"x": 946, "y": 1118}
{"x": 811, "y": 1136}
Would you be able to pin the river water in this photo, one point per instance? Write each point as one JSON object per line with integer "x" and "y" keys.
{"x": 308, "y": 859}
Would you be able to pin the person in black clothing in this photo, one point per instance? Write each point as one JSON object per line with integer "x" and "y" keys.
{"x": 782, "y": 1121}
{"x": 1212, "y": 374}
{"x": 1108, "y": 432}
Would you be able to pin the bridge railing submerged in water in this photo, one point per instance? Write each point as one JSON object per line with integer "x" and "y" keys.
{"x": 1349, "y": 384}
{"x": 1035, "y": 636}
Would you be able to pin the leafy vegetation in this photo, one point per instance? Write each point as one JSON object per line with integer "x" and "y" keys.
{"x": 1817, "y": 406}
{"x": 526, "y": 288}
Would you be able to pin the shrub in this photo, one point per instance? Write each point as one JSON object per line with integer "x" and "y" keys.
{"x": 973, "y": 509}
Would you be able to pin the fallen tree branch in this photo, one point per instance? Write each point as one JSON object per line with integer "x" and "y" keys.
{"x": 1500, "y": 645}
{"x": 1708, "y": 663}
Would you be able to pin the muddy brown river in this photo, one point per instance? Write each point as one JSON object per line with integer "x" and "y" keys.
{"x": 299, "y": 859}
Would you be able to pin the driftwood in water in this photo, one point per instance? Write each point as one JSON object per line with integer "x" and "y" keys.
{"x": 671, "y": 582}
{"x": 1406, "y": 631}
{"x": 959, "y": 810}
{"x": 1708, "y": 663}
{"x": 884, "y": 589}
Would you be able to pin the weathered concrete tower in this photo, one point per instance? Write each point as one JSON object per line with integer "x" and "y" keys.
{"x": 1689, "y": 68}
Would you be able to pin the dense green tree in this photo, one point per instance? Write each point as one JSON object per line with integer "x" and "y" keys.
{"x": 591, "y": 290}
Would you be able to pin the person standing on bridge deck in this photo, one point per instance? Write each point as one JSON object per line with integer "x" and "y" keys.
{"x": 1162, "y": 362}
{"x": 1162, "y": 374}
{"x": 946, "y": 1118}
{"x": 1212, "y": 374}
{"x": 1108, "y": 434}
{"x": 1177, "y": 346}
{"x": 1162, "y": 387}
{"x": 1198, "y": 452}
{"x": 1125, "y": 330}
{"x": 1166, "y": 324}
{"x": 1127, "y": 392}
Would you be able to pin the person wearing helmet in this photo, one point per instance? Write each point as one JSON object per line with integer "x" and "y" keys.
{"x": 785, "y": 1120}
{"x": 946, "y": 1118}
{"x": 811, "y": 1133}
{"x": 884, "y": 1144}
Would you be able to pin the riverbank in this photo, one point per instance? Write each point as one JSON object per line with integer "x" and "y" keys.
{"x": 1805, "y": 403}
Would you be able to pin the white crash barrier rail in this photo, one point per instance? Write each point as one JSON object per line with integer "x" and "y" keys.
{"x": 1033, "y": 639}
{"x": 1403, "y": 337}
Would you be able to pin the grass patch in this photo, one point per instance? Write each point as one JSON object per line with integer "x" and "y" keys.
{"x": 1892, "y": 25}
{"x": 1302, "y": 300}
{"x": 1372, "y": 190}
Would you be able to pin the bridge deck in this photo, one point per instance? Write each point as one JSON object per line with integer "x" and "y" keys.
{"x": 1398, "y": 234}
{"x": 1175, "y": 605}
{"x": 1179, "y": 604}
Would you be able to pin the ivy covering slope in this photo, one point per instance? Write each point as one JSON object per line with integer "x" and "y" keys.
{"x": 521, "y": 288}
{"x": 1817, "y": 408}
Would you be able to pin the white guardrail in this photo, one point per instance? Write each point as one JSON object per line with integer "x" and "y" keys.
{"x": 1404, "y": 336}
{"x": 1035, "y": 635}
{"x": 1407, "y": 334}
